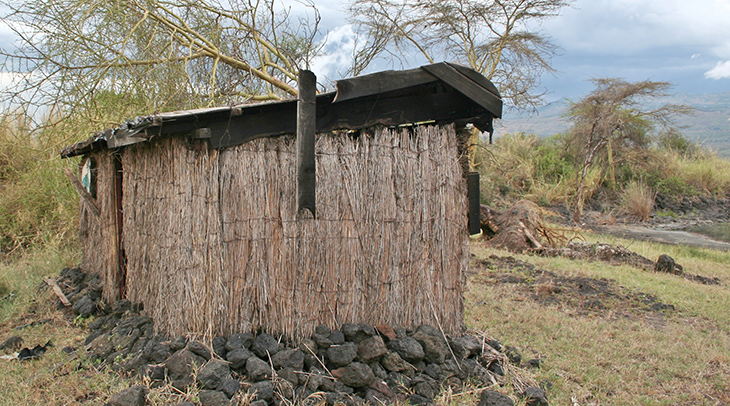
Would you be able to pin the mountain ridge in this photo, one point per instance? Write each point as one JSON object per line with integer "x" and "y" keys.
{"x": 709, "y": 125}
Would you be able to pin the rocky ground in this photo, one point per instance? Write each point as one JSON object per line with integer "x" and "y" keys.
{"x": 669, "y": 224}
{"x": 356, "y": 364}
{"x": 667, "y": 214}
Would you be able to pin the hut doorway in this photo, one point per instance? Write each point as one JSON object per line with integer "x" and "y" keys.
{"x": 119, "y": 222}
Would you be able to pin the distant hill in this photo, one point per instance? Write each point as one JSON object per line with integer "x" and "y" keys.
{"x": 710, "y": 125}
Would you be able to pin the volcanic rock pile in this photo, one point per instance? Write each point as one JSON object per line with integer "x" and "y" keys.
{"x": 356, "y": 364}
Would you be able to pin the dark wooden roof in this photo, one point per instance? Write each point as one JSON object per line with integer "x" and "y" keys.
{"x": 442, "y": 92}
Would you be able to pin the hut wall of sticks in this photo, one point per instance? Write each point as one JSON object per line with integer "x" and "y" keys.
{"x": 195, "y": 214}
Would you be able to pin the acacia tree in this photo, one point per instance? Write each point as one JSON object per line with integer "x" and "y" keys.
{"x": 164, "y": 54}
{"x": 614, "y": 116}
{"x": 495, "y": 37}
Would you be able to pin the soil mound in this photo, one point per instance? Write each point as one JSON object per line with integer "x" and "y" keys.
{"x": 578, "y": 295}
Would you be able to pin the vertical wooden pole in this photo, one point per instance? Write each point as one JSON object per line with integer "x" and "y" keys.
{"x": 306, "y": 127}
{"x": 119, "y": 219}
{"x": 472, "y": 187}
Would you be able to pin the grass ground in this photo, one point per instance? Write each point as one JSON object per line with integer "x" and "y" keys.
{"x": 608, "y": 349}
{"x": 27, "y": 310}
{"x": 618, "y": 353}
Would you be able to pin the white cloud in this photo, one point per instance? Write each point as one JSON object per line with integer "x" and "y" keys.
{"x": 720, "y": 71}
{"x": 626, "y": 27}
{"x": 337, "y": 55}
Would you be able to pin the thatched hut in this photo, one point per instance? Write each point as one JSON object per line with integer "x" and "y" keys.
{"x": 195, "y": 214}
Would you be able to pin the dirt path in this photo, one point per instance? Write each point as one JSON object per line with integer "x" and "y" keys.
{"x": 674, "y": 237}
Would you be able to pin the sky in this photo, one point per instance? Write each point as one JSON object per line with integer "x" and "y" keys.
{"x": 686, "y": 43}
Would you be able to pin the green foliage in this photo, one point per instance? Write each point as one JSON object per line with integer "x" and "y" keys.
{"x": 673, "y": 140}
{"x": 546, "y": 171}
{"x": 551, "y": 162}
{"x": 523, "y": 166}
{"x": 37, "y": 203}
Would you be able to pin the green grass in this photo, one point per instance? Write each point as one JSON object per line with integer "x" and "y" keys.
{"x": 679, "y": 357}
{"x": 605, "y": 358}
{"x": 55, "y": 378}
{"x": 544, "y": 170}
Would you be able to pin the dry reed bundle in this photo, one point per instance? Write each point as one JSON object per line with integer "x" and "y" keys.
{"x": 521, "y": 228}
{"x": 214, "y": 246}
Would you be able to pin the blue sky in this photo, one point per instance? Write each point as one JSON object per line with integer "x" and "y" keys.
{"x": 683, "y": 42}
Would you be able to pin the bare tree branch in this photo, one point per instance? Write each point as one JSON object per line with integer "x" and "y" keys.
{"x": 494, "y": 37}
{"x": 168, "y": 54}
{"x": 613, "y": 115}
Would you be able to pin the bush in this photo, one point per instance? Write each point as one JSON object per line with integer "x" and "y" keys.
{"x": 637, "y": 200}
{"x": 37, "y": 203}
{"x": 523, "y": 166}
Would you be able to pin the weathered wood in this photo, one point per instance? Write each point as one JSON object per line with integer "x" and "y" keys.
{"x": 472, "y": 187}
{"x": 57, "y": 290}
{"x": 534, "y": 242}
{"x": 489, "y": 220}
{"x": 381, "y": 82}
{"x": 442, "y": 93}
{"x": 430, "y": 103}
{"x": 306, "y": 127}
{"x": 258, "y": 121}
{"x": 467, "y": 87}
{"x": 85, "y": 196}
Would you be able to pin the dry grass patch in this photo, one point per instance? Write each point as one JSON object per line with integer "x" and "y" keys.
{"x": 56, "y": 378}
{"x": 606, "y": 356}
{"x": 637, "y": 201}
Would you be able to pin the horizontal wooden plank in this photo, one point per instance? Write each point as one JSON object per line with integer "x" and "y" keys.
{"x": 381, "y": 82}
{"x": 440, "y": 92}
{"x": 467, "y": 87}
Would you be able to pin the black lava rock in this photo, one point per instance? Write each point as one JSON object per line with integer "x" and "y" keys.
{"x": 219, "y": 346}
{"x": 371, "y": 348}
{"x": 199, "y": 349}
{"x": 134, "y": 396}
{"x": 238, "y": 358}
{"x": 180, "y": 365}
{"x": 238, "y": 341}
{"x": 289, "y": 358}
{"x": 513, "y": 355}
{"x": 263, "y": 390}
{"x": 341, "y": 355}
{"x": 85, "y": 306}
{"x": 257, "y": 369}
{"x": 408, "y": 348}
{"x": 535, "y": 396}
{"x": 229, "y": 387}
{"x": 264, "y": 346}
{"x": 356, "y": 375}
{"x": 358, "y": 332}
{"x": 212, "y": 374}
{"x": 493, "y": 398}
{"x": 416, "y": 399}
{"x": 213, "y": 398}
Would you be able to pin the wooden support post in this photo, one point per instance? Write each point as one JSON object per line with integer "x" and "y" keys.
{"x": 57, "y": 290}
{"x": 472, "y": 187}
{"x": 306, "y": 128}
{"x": 85, "y": 196}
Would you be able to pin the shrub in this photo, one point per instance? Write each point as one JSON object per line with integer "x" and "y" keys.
{"x": 637, "y": 200}
{"x": 37, "y": 203}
